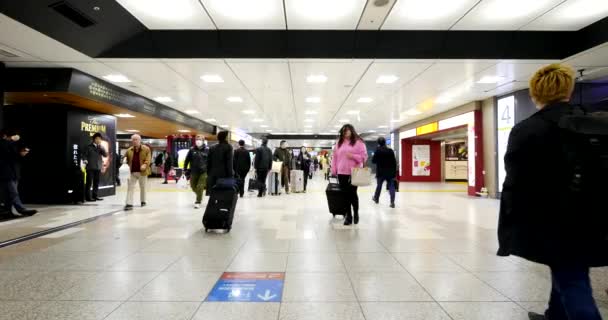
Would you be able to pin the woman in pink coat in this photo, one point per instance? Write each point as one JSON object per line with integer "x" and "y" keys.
{"x": 349, "y": 153}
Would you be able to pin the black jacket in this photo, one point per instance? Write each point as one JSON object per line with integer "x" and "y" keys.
{"x": 220, "y": 161}
{"x": 304, "y": 162}
{"x": 242, "y": 160}
{"x": 539, "y": 220}
{"x": 385, "y": 161}
{"x": 197, "y": 159}
{"x": 9, "y": 161}
{"x": 283, "y": 155}
{"x": 93, "y": 154}
{"x": 263, "y": 158}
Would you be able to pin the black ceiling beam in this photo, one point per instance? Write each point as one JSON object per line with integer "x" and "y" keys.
{"x": 300, "y": 137}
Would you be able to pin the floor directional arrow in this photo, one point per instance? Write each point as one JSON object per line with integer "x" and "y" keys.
{"x": 267, "y": 296}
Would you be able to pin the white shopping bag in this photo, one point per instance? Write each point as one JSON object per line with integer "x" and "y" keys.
{"x": 361, "y": 177}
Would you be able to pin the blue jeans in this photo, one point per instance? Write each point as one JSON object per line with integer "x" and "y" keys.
{"x": 11, "y": 195}
{"x": 571, "y": 295}
{"x": 391, "y": 187}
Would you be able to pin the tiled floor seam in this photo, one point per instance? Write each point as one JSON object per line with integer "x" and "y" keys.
{"x": 352, "y": 286}
{"x": 418, "y": 282}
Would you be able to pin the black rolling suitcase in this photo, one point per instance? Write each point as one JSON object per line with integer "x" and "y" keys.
{"x": 220, "y": 208}
{"x": 336, "y": 200}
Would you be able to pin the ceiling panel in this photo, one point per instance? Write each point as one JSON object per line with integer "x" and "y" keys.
{"x": 571, "y": 15}
{"x": 246, "y": 14}
{"x": 596, "y": 57}
{"x": 174, "y": 14}
{"x": 323, "y": 14}
{"x": 426, "y": 14}
{"x": 504, "y": 15}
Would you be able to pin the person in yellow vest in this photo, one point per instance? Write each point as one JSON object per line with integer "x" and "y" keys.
{"x": 139, "y": 158}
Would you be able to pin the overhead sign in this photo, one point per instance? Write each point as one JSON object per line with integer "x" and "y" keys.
{"x": 428, "y": 128}
{"x": 505, "y": 121}
{"x": 457, "y": 121}
{"x": 248, "y": 287}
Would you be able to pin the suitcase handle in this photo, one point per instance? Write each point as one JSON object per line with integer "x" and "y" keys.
{"x": 333, "y": 180}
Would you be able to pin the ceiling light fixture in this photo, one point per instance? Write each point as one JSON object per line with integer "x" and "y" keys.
{"x": 308, "y": 126}
{"x": 164, "y": 99}
{"x": 396, "y": 120}
{"x": 117, "y": 78}
{"x": 490, "y": 79}
{"x": 353, "y": 112}
{"x": 316, "y": 78}
{"x": 382, "y": 127}
{"x": 132, "y": 130}
{"x": 413, "y": 112}
{"x": 442, "y": 100}
{"x": 210, "y": 120}
{"x": 124, "y": 115}
{"x": 309, "y": 120}
{"x": 338, "y": 126}
{"x": 263, "y": 126}
{"x": 224, "y": 126}
{"x": 268, "y": 130}
{"x": 258, "y": 120}
{"x": 191, "y": 111}
{"x": 371, "y": 131}
{"x": 183, "y": 131}
{"x": 313, "y": 100}
{"x": 249, "y": 111}
{"x": 365, "y": 100}
{"x": 343, "y": 120}
{"x": 212, "y": 78}
{"x": 310, "y": 112}
{"x": 387, "y": 79}
{"x": 234, "y": 99}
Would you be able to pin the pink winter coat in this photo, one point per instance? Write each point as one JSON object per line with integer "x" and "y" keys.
{"x": 341, "y": 164}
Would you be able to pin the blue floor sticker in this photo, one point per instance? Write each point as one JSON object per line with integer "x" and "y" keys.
{"x": 248, "y": 287}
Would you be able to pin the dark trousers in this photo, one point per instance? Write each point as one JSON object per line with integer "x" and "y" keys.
{"x": 262, "y": 175}
{"x": 391, "y": 187}
{"x": 571, "y": 295}
{"x": 10, "y": 193}
{"x": 285, "y": 178}
{"x": 241, "y": 181}
{"x": 306, "y": 172}
{"x": 351, "y": 194}
{"x": 92, "y": 182}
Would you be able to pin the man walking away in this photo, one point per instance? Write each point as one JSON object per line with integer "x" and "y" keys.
{"x": 167, "y": 164}
{"x": 242, "y": 165}
{"x": 139, "y": 158}
{"x": 196, "y": 168}
{"x": 553, "y": 207}
{"x": 262, "y": 164}
{"x": 220, "y": 160}
{"x": 283, "y": 155}
{"x": 9, "y": 174}
{"x": 386, "y": 170}
{"x": 92, "y": 157}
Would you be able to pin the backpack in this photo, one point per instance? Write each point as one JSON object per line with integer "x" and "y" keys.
{"x": 585, "y": 148}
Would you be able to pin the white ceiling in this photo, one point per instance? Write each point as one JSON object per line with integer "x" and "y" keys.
{"x": 275, "y": 92}
{"x": 346, "y": 14}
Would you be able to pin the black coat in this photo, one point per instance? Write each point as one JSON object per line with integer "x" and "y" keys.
{"x": 93, "y": 155}
{"x": 539, "y": 220}
{"x": 304, "y": 162}
{"x": 220, "y": 161}
{"x": 385, "y": 161}
{"x": 263, "y": 158}
{"x": 197, "y": 160}
{"x": 9, "y": 161}
{"x": 242, "y": 160}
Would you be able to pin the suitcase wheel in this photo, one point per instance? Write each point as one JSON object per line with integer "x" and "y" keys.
{"x": 228, "y": 230}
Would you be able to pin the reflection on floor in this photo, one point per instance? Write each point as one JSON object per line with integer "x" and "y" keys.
{"x": 430, "y": 258}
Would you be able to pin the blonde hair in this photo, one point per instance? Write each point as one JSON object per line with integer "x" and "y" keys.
{"x": 552, "y": 83}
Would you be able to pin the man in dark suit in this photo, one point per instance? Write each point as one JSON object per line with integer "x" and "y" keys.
{"x": 242, "y": 165}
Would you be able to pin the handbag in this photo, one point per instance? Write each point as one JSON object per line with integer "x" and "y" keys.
{"x": 361, "y": 177}
{"x": 277, "y": 166}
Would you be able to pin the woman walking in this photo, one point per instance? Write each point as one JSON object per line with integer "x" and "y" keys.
{"x": 349, "y": 153}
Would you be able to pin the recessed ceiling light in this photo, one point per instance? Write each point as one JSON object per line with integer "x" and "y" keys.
{"x": 396, "y": 120}
{"x": 191, "y": 112}
{"x": 310, "y": 112}
{"x": 234, "y": 99}
{"x": 309, "y": 120}
{"x": 183, "y": 131}
{"x": 313, "y": 100}
{"x": 371, "y": 131}
{"x": 382, "y": 127}
{"x": 343, "y": 120}
{"x": 117, "y": 78}
{"x": 132, "y": 130}
{"x": 211, "y": 120}
{"x": 353, "y": 112}
{"x": 365, "y": 100}
{"x": 316, "y": 78}
{"x": 212, "y": 78}
{"x": 263, "y": 126}
{"x": 413, "y": 112}
{"x": 490, "y": 79}
{"x": 124, "y": 115}
{"x": 328, "y": 133}
{"x": 224, "y": 126}
{"x": 249, "y": 111}
{"x": 338, "y": 126}
{"x": 387, "y": 79}
{"x": 258, "y": 120}
{"x": 442, "y": 100}
{"x": 163, "y": 99}
{"x": 309, "y": 126}
{"x": 269, "y": 130}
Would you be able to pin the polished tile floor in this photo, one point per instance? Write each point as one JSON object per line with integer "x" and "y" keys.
{"x": 430, "y": 258}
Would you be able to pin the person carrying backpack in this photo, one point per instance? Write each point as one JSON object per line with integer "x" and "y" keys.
{"x": 552, "y": 209}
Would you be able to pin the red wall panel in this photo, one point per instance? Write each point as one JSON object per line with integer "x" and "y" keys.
{"x": 406, "y": 149}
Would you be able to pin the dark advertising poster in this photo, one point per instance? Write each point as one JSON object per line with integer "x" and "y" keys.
{"x": 82, "y": 125}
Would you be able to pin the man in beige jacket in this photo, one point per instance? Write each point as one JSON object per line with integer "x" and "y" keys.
{"x": 139, "y": 158}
